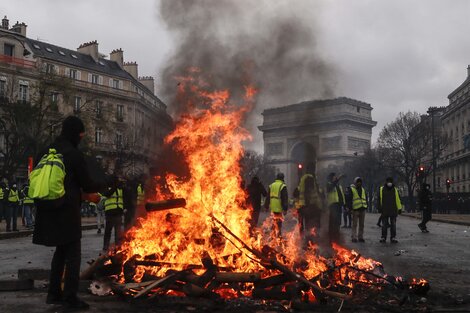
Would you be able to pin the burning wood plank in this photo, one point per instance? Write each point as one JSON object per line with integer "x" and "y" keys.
{"x": 165, "y": 205}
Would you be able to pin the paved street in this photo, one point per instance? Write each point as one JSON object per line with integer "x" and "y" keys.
{"x": 441, "y": 256}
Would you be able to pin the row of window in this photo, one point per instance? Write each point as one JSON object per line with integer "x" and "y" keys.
{"x": 99, "y": 137}
{"x": 77, "y": 75}
{"x": 95, "y": 79}
{"x": 77, "y": 108}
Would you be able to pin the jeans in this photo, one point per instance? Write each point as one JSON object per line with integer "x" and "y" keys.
{"x": 28, "y": 214}
{"x": 389, "y": 221}
{"x": 11, "y": 215}
{"x": 66, "y": 258}
{"x": 358, "y": 218}
{"x": 113, "y": 220}
{"x": 347, "y": 218}
{"x": 100, "y": 218}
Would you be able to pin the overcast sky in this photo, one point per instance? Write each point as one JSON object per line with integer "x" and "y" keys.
{"x": 397, "y": 55}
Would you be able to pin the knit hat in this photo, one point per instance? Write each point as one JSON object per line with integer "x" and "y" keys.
{"x": 357, "y": 179}
{"x": 72, "y": 127}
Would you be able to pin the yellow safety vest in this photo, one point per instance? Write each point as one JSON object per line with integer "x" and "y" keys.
{"x": 140, "y": 195}
{"x": 115, "y": 201}
{"x": 313, "y": 196}
{"x": 397, "y": 198}
{"x": 275, "y": 204}
{"x": 333, "y": 196}
{"x": 13, "y": 196}
{"x": 28, "y": 200}
{"x": 2, "y": 194}
{"x": 358, "y": 201}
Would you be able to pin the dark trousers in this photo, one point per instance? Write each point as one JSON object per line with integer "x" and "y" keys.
{"x": 311, "y": 221}
{"x": 334, "y": 221}
{"x": 379, "y": 221}
{"x": 66, "y": 258}
{"x": 389, "y": 221}
{"x": 2, "y": 210}
{"x": 347, "y": 217}
{"x": 113, "y": 220}
{"x": 427, "y": 216}
{"x": 11, "y": 215}
{"x": 278, "y": 218}
{"x": 254, "y": 219}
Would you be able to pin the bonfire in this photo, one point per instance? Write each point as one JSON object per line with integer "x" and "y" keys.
{"x": 205, "y": 247}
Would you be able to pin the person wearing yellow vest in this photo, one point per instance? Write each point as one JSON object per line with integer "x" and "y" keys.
{"x": 113, "y": 211}
{"x": 310, "y": 203}
{"x": 278, "y": 202}
{"x": 12, "y": 209}
{"x": 389, "y": 205}
{"x": 28, "y": 207}
{"x": 357, "y": 203}
{"x": 335, "y": 199}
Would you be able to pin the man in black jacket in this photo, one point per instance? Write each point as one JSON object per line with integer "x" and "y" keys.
{"x": 60, "y": 226}
{"x": 425, "y": 204}
{"x": 256, "y": 190}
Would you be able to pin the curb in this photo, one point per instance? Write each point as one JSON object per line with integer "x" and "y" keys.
{"x": 462, "y": 223}
{"x": 26, "y": 233}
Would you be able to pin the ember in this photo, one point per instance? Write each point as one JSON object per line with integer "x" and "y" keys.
{"x": 203, "y": 246}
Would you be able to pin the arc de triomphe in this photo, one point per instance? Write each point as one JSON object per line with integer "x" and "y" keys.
{"x": 328, "y": 132}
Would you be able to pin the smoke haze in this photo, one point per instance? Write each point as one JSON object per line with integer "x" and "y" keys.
{"x": 271, "y": 44}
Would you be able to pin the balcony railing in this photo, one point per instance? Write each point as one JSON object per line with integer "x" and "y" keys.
{"x": 17, "y": 61}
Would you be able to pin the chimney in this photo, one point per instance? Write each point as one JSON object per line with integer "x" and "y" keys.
{"x": 117, "y": 55}
{"x": 132, "y": 68}
{"x": 19, "y": 28}
{"x": 468, "y": 71}
{"x": 148, "y": 82}
{"x": 5, "y": 23}
{"x": 90, "y": 48}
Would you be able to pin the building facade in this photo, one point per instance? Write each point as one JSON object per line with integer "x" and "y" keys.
{"x": 328, "y": 132}
{"x": 455, "y": 161}
{"x": 125, "y": 121}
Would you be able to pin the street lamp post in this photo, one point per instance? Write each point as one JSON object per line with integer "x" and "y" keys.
{"x": 431, "y": 111}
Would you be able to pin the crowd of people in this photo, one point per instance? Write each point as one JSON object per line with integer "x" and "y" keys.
{"x": 331, "y": 204}
{"x": 53, "y": 205}
{"x": 15, "y": 203}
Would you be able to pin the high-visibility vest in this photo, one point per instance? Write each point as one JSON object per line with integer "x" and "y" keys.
{"x": 397, "y": 197}
{"x": 140, "y": 195}
{"x": 27, "y": 200}
{"x": 313, "y": 196}
{"x": 13, "y": 196}
{"x": 358, "y": 201}
{"x": 275, "y": 204}
{"x": 334, "y": 197}
{"x": 2, "y": 194}
{"x": 114, "y": 201}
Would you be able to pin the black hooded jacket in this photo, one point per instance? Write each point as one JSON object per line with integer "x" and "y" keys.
{"x": 62, "y": 225}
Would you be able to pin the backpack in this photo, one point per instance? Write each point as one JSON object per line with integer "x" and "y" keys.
{"x": 46, "y": 181}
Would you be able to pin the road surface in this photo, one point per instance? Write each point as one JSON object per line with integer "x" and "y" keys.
{"x": 442, "y": 257}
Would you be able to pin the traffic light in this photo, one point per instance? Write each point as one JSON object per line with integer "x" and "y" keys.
{"x": 300, "y": 166}
{"x": 448, "y": 183}
{"x": 421, "y": 169}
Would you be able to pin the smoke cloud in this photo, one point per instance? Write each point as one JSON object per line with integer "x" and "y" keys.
{"x": 271, "y": 44}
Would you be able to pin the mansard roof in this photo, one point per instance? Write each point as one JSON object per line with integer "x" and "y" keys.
{"x": 318, "y": 103}
{"x": 75, "y": 58}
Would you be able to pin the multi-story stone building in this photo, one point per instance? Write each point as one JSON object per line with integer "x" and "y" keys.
{"x": 455, "y": 161}
{"x": 328, "y": 132}
{"x": 126, "y": 122}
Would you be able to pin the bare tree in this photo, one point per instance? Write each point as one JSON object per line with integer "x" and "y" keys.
{"x": 254, "y": 164}
{"x": 405, "y": 144}
{"x": 27, "y": 125}
{"x": 369, "y": 167}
